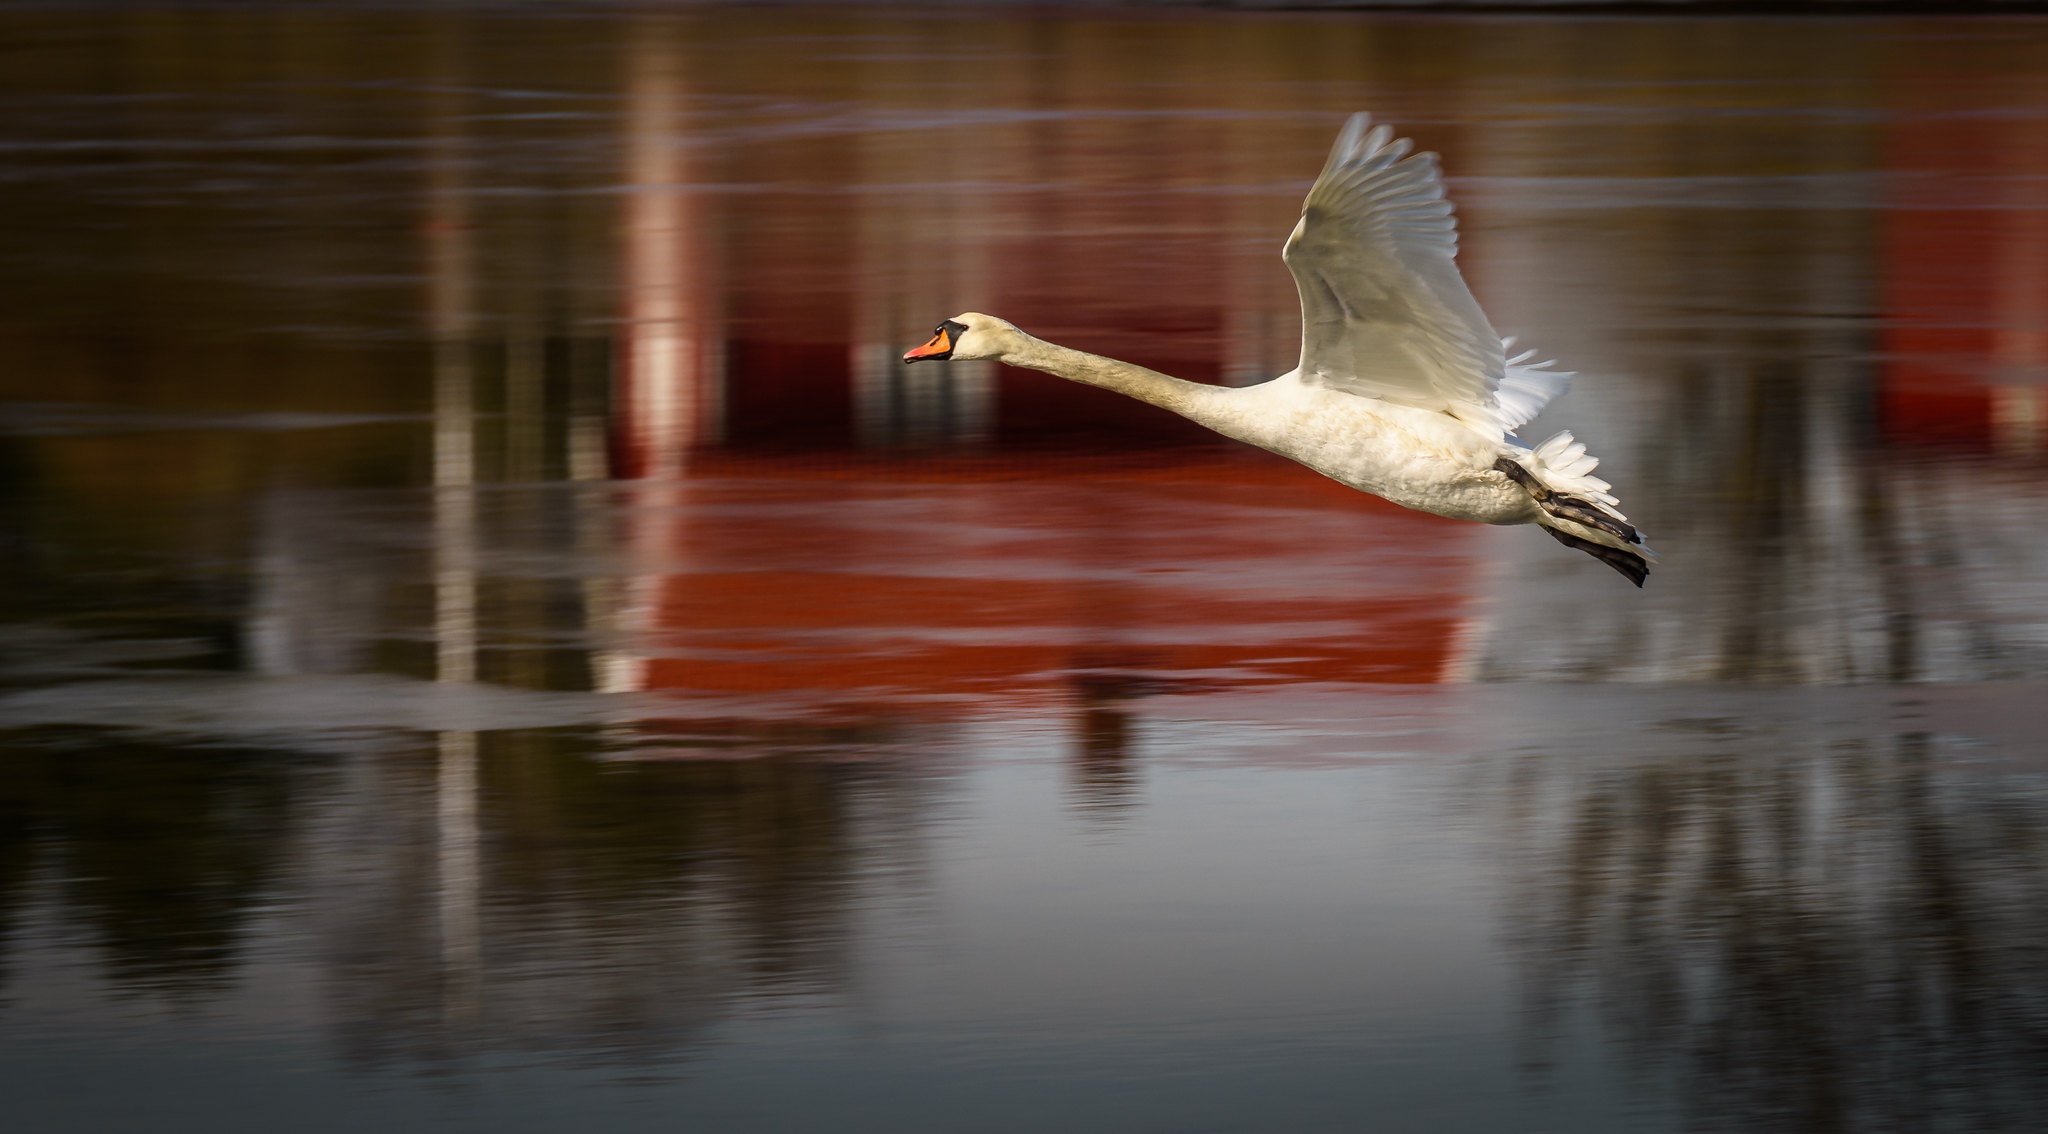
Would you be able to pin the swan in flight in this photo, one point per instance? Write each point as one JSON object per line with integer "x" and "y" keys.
{"x": 1404, "y": 390}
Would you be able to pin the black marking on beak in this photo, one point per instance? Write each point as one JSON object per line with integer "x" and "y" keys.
{"x": 945, "y": 338}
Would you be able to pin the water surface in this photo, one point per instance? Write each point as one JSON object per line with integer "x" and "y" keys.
{"x": 493, "y": 639}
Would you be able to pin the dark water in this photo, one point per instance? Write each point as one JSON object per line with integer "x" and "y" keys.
{"x": 492, "y": 640}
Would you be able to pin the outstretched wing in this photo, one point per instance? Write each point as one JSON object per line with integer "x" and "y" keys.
{"x": 1384, "y": 312}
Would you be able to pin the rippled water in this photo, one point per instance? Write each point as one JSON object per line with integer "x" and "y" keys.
{"x": 492, "y": 639}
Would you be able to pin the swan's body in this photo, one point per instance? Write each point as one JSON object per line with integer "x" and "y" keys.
{"x": 1417, "y": 458}
{"x": 1404, "y": 390}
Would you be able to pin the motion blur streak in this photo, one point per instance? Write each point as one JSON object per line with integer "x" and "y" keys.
{"x": 491, "y": 633}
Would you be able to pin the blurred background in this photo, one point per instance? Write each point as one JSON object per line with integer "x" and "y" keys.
{"x": 491, "y": 636}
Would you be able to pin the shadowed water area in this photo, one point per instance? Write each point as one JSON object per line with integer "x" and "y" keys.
{"x": 491, "y": 637}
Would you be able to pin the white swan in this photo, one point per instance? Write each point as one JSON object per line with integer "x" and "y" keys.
{"x": 1404, "y": 390}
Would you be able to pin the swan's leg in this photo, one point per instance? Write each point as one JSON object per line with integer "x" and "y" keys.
{"x": 1581, "y": 512}
{"x": 1564, "y": 507}
{"x": 1631, "y": 566}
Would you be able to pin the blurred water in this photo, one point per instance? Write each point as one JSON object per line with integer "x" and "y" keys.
{"x": 493, "y": 639}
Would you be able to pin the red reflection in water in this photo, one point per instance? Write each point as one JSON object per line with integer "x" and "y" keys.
{"x": 996, "y": 578}
{"x": 1966, "y": 273}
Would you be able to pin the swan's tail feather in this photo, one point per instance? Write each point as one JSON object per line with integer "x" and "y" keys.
{"x": 1564, "y": 467}
{"x": 1577, "y": 508}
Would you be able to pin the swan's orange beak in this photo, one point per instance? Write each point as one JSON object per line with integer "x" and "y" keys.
{"x": 940, "y": 347}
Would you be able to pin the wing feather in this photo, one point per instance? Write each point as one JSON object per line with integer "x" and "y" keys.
{"x": 1384, "y": 311}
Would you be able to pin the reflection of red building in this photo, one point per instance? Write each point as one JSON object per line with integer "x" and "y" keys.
{"x": 1965, "y": 275}
{"x": 994, "y": 579}
{"x": 1063, "y": 529}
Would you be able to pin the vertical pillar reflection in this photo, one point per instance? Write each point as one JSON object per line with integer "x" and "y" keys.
{"x": 451, "y": 278}
{"x": 668, "y": 397}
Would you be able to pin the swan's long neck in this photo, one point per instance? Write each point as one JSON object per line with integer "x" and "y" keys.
{"x": 1189, "y": 399}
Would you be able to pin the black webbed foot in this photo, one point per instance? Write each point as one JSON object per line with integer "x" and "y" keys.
{"x": 1633, "y": 567}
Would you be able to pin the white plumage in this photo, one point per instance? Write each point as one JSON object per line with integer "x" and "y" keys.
{"x": 1403, "y": 390}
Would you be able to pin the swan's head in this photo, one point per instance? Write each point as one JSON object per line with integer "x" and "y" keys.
{"x": 967, "y": 337}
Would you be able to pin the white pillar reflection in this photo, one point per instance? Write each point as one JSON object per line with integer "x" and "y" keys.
{"x": 668, "y": 380}
{"x": 451, "y": 275}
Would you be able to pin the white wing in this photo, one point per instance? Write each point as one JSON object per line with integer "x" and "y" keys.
{"x": 1384, "y": 312}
